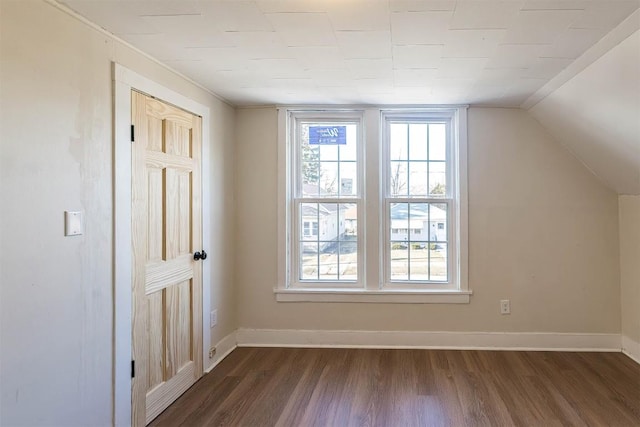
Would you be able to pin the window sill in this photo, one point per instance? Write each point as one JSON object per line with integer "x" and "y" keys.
{"x": 365, "y": 296}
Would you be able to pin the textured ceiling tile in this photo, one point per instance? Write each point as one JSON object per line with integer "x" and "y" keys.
{"x": 236, "y": 16}
{"x": 546, "y": 68}
{"x": 417, "y": 56}
{"x": 414, "y": 77}
{"x": 255, "y": 39}
{"x": 419, "y": 27}
{"x": 278, "y": 68}
{"x": 359, "y": 15}
{"x": 555, "y": 4}
{"x": 540, "y": 26}
{"x": 291, "y": 6}
{"x": 371, "y": 68}
{"x": 331, "y": 77}
{"x": 121, "y": 20}
{"x": 473, "y": 14}
{"x": 421, "y": 5}
{"x": 292, "y": 83}
{"x": 303, "y": 29}
{"x": 601, "y": 14}
{"x": 364, "y": 44}
{"x": 318, "y": 57}
{"x": 573, "y": 43}
{"x": 472, "y": 43}
{"x": 515, "y": 55}
{"x": 461, "y": 68}
{"x": 224, "y": 58}
{"x": 499, "y": 77}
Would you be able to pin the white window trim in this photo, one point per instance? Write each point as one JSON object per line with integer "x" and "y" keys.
{"x": 334, "y": 116}
{"x": 371, "y": 285}
{"x": 450, "y": 116}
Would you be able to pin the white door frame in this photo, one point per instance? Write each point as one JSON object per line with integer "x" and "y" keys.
{"x": 125, "y": 80}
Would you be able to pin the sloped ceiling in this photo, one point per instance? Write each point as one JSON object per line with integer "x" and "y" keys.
{"x": 596, "y": 115}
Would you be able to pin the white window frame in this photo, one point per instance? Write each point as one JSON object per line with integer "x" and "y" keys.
{"x": 296, "y": 231}
{"x": 449, "y": 117}
{"x": 372, "y": 229}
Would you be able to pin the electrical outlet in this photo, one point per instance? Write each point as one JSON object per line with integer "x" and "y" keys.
{"x": 505, "y": 306}
{"x": 212, "y": 352}
{"x": 213, "y": 318}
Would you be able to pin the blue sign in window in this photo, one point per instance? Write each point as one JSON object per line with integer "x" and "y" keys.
{"x": 327, "y": 135}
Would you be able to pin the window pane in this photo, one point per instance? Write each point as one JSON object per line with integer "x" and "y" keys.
{"x": 438, "y": 262}
{"x": 398, "y": 141}
{"x": 399, "y": 261}
{"x": 329, "y": 241}
{"x": 309, "y": 261}
{"x": 329, "y": 178}
{"x": 328, "y": 261}
{"x": 310, "y": 169}
{"x": 329, "y": 152}
{"x": 348, "y": 151}
{"x": 438, "y": 222}
{"x": 348, "y": 179}
{"x": 399, "y": 222}
{"x": 328, "y": 220}
{"x": 419, "y": 222}
{"x": 398, "y": 179}
{"x": 437, "y": 141}
{"x": 418, "y": 141}
{"x": 419, "y": 261}
{"x": 418, "y": 179}
{"x": 309, "y": 221}
{"x": 348, "y": 260}
{"x": 437, "y": 179}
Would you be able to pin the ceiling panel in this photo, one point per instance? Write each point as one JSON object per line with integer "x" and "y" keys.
{"x": 304, "y": 29}
{"x": 363, "y": 51}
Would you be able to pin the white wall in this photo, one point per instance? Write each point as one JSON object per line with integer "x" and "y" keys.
{"x": 629, "y": 207}
{"x": 596, "y": 115}
{"x": 543, "y": 232}
{"x": 55, "y": 155}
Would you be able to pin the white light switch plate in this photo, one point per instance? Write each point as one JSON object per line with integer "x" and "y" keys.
{"x": 73, "y": 223}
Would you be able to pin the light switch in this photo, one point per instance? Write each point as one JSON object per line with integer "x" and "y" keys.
{"x": 73, "y": 223}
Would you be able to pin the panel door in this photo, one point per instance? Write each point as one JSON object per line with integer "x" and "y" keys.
{"x": 166, "y": 230}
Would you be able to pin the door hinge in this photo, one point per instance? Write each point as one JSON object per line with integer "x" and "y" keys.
{"x": 133, "y": 133}
{"x": 133, "y": 369}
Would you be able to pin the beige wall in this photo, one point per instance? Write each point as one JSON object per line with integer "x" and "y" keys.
{"x": 629, "y": 207}
{"x": 56, "y": 155}
{"x": 543, "y": 232}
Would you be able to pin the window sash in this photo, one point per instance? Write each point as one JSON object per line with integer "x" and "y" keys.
{"x": 447, "y": 118}
{"x": 297, "y": 236}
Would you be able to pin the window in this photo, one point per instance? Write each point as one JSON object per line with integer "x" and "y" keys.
{"x": 326, "y": 200}
{"x": 418, "y": 196}
{"x": 373, "y": 205}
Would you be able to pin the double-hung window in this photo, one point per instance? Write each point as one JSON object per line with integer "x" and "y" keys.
{"x": 325, "y": 249}
{"x": 373, "y": 205}
{"x": 420, "y": 193}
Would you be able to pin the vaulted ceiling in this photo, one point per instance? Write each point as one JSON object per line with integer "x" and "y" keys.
{"x": 481, "y": 52}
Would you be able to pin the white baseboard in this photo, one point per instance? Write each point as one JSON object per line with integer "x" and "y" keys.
{"x": 430, "y": 340}
{"x": 631, "y": 348}
{"x": 225, "y": 346}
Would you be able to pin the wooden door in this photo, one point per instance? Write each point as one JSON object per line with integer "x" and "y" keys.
{"x": 166, "y": 230}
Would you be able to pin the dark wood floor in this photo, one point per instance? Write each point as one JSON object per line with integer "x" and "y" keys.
{"x": 362, "y": 387}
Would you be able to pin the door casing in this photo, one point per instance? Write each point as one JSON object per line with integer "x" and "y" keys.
{"x": 124, "y": 81}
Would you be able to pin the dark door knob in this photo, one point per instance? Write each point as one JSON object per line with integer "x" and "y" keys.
{"x": 200, "y": 255}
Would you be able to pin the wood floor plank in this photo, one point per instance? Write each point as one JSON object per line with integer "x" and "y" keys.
{"x": 381, "y": 387}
